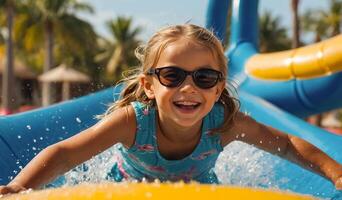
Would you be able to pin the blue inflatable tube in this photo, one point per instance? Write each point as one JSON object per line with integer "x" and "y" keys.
{"x": 299, "y": 97}
{"x": 276, "y": 104}
{"x": 24, "y": 135}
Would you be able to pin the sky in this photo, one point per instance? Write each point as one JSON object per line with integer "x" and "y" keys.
{"x": 154, "y": 14}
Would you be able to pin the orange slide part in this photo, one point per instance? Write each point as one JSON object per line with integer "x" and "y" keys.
{"x": 316, "y": 60}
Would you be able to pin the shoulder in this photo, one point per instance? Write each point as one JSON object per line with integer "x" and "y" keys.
{"x": 242, "y": 123}
{"x": 121, "y": 124}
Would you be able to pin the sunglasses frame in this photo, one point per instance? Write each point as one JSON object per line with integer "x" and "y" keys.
{"x": 156, "y": 71}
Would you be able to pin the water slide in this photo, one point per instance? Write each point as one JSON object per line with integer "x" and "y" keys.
{"x": 278, "y": 89}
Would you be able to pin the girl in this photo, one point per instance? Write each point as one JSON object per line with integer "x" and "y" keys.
{"x": 174, "y": 118}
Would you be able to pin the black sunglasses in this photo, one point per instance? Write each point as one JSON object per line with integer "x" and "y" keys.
{"x": 172, "y": 76}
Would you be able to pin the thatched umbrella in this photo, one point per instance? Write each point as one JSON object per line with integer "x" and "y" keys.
{"x": 20, "y": 70}
{"x": 65, "y": 75}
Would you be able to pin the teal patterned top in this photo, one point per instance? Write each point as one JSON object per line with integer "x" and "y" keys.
{"x": 143, "y": 159}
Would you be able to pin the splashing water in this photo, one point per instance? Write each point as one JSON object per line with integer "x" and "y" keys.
{"x": 239, "y": 164}
{"x": 244, "y": 165}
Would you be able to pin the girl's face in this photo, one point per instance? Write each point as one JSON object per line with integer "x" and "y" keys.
{"x": 185, "y": 105}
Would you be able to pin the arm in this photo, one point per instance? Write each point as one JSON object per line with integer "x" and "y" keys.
{"x": 287, "y": 146}
{"x": 56, "y": 159}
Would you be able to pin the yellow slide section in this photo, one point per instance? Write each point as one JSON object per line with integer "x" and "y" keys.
{"x": 136, "y": 191}
{"x": 316, "y": 60}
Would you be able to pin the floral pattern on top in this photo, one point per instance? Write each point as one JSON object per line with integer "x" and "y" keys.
{"x": 145, "y": 161}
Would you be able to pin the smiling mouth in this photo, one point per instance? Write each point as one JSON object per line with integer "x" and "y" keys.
{"x": 186, "y": 105}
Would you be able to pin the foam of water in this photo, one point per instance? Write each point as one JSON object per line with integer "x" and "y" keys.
{"x": 239, "y": 164}
{"x": 244, "y": 165}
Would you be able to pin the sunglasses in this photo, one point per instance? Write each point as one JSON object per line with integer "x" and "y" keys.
{"x": 172, "y": 76}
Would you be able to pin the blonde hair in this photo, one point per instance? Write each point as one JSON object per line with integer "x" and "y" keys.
{"x": 149, "y": 56}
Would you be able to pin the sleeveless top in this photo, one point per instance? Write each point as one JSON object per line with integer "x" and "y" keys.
{"x": 143, "y": 160}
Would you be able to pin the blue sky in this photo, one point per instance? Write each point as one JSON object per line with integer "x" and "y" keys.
{"x": 153, "y": 14}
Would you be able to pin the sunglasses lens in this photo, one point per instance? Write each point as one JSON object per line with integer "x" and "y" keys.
{"x": 171, "y": 77}
{"x": 174, "y": 76}
{"x": 206, "y": 78}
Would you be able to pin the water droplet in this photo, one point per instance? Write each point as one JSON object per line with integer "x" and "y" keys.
{"x": 41, "y": 138}
{"x": 279, "y": 149}
{"x": 28, "y": 127}
{"x": 34, "y": 148}
{"x": 63, "y": 127}
{"x": 47, "y": 129}
{"x": 19, "y": 136}
{"x": 260, "y": 141}
{"x": 243, "y": 134}
{"x": 78, "y": 120}
{"x": 34, "y": 140}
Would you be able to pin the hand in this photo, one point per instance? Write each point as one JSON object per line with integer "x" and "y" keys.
{"x": 13, "y": 188}
{"x": 338, "y": 183}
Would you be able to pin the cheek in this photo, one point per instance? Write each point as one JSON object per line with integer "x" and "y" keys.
{"x": 162, "y": 93}
{"x": 213, "y": 94}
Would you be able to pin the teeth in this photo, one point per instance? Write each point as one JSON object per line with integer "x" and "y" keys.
{"x": 186, "y": 103}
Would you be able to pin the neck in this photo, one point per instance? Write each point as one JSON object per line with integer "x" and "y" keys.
{"x": 179, "y": 134}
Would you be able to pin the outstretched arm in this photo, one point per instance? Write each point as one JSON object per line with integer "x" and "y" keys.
{"x": 287, "y": 146}
{"x": 58, "y": 158}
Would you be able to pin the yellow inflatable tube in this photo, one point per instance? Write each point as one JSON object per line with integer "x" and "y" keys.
{"x": 136, "y": 191}
{"x": 316, "y": 60}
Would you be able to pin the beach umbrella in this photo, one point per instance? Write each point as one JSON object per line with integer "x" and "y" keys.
{"x": 65, "y": 75}
{"x": 20, "y": 70}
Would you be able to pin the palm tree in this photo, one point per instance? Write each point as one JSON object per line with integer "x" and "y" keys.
{"x": 7, "y": 78}
{"x": 270, "y": 28}
{"x": 334, "y": 17}
{"x": 52, "y": 20}
{"x": 312, "y": 22}
{"x": 295, "y": 24}
{"x": 118, "y": 52}
{"x": 323, "y": 23}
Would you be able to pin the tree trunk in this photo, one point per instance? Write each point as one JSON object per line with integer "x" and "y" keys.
{"x": 295, "y": 24}
{"x": 8, "y": 75}
{"x": 335, "y": 9}
{"x": 47, "y": 93}
{"x": 115, "y": 60}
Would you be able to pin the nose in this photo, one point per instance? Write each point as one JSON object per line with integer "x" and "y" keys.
{"x": 188, "y": 85}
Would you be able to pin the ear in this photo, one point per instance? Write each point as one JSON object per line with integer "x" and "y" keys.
{"x": 146, "y": 83}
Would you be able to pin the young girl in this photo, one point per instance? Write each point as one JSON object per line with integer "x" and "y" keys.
{"x": 174, "y": 118}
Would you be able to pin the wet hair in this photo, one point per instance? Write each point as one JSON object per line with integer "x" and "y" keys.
{"x": 149, "y": 55}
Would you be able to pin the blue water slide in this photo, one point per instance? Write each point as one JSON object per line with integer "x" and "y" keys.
{"x": 277, "y": 104}
{"x": 23, "y": 135}
{"x": 299, "y": 97}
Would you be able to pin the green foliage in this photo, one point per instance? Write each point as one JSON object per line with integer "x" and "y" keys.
{"x": 117, "y": 53}
{"x": 273, "y": 37}
{"x": 322, "y": 23}
{"x": 74, "y": 38}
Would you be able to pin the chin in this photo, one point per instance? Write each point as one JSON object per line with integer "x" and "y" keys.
{"x": 187, "y": 123}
